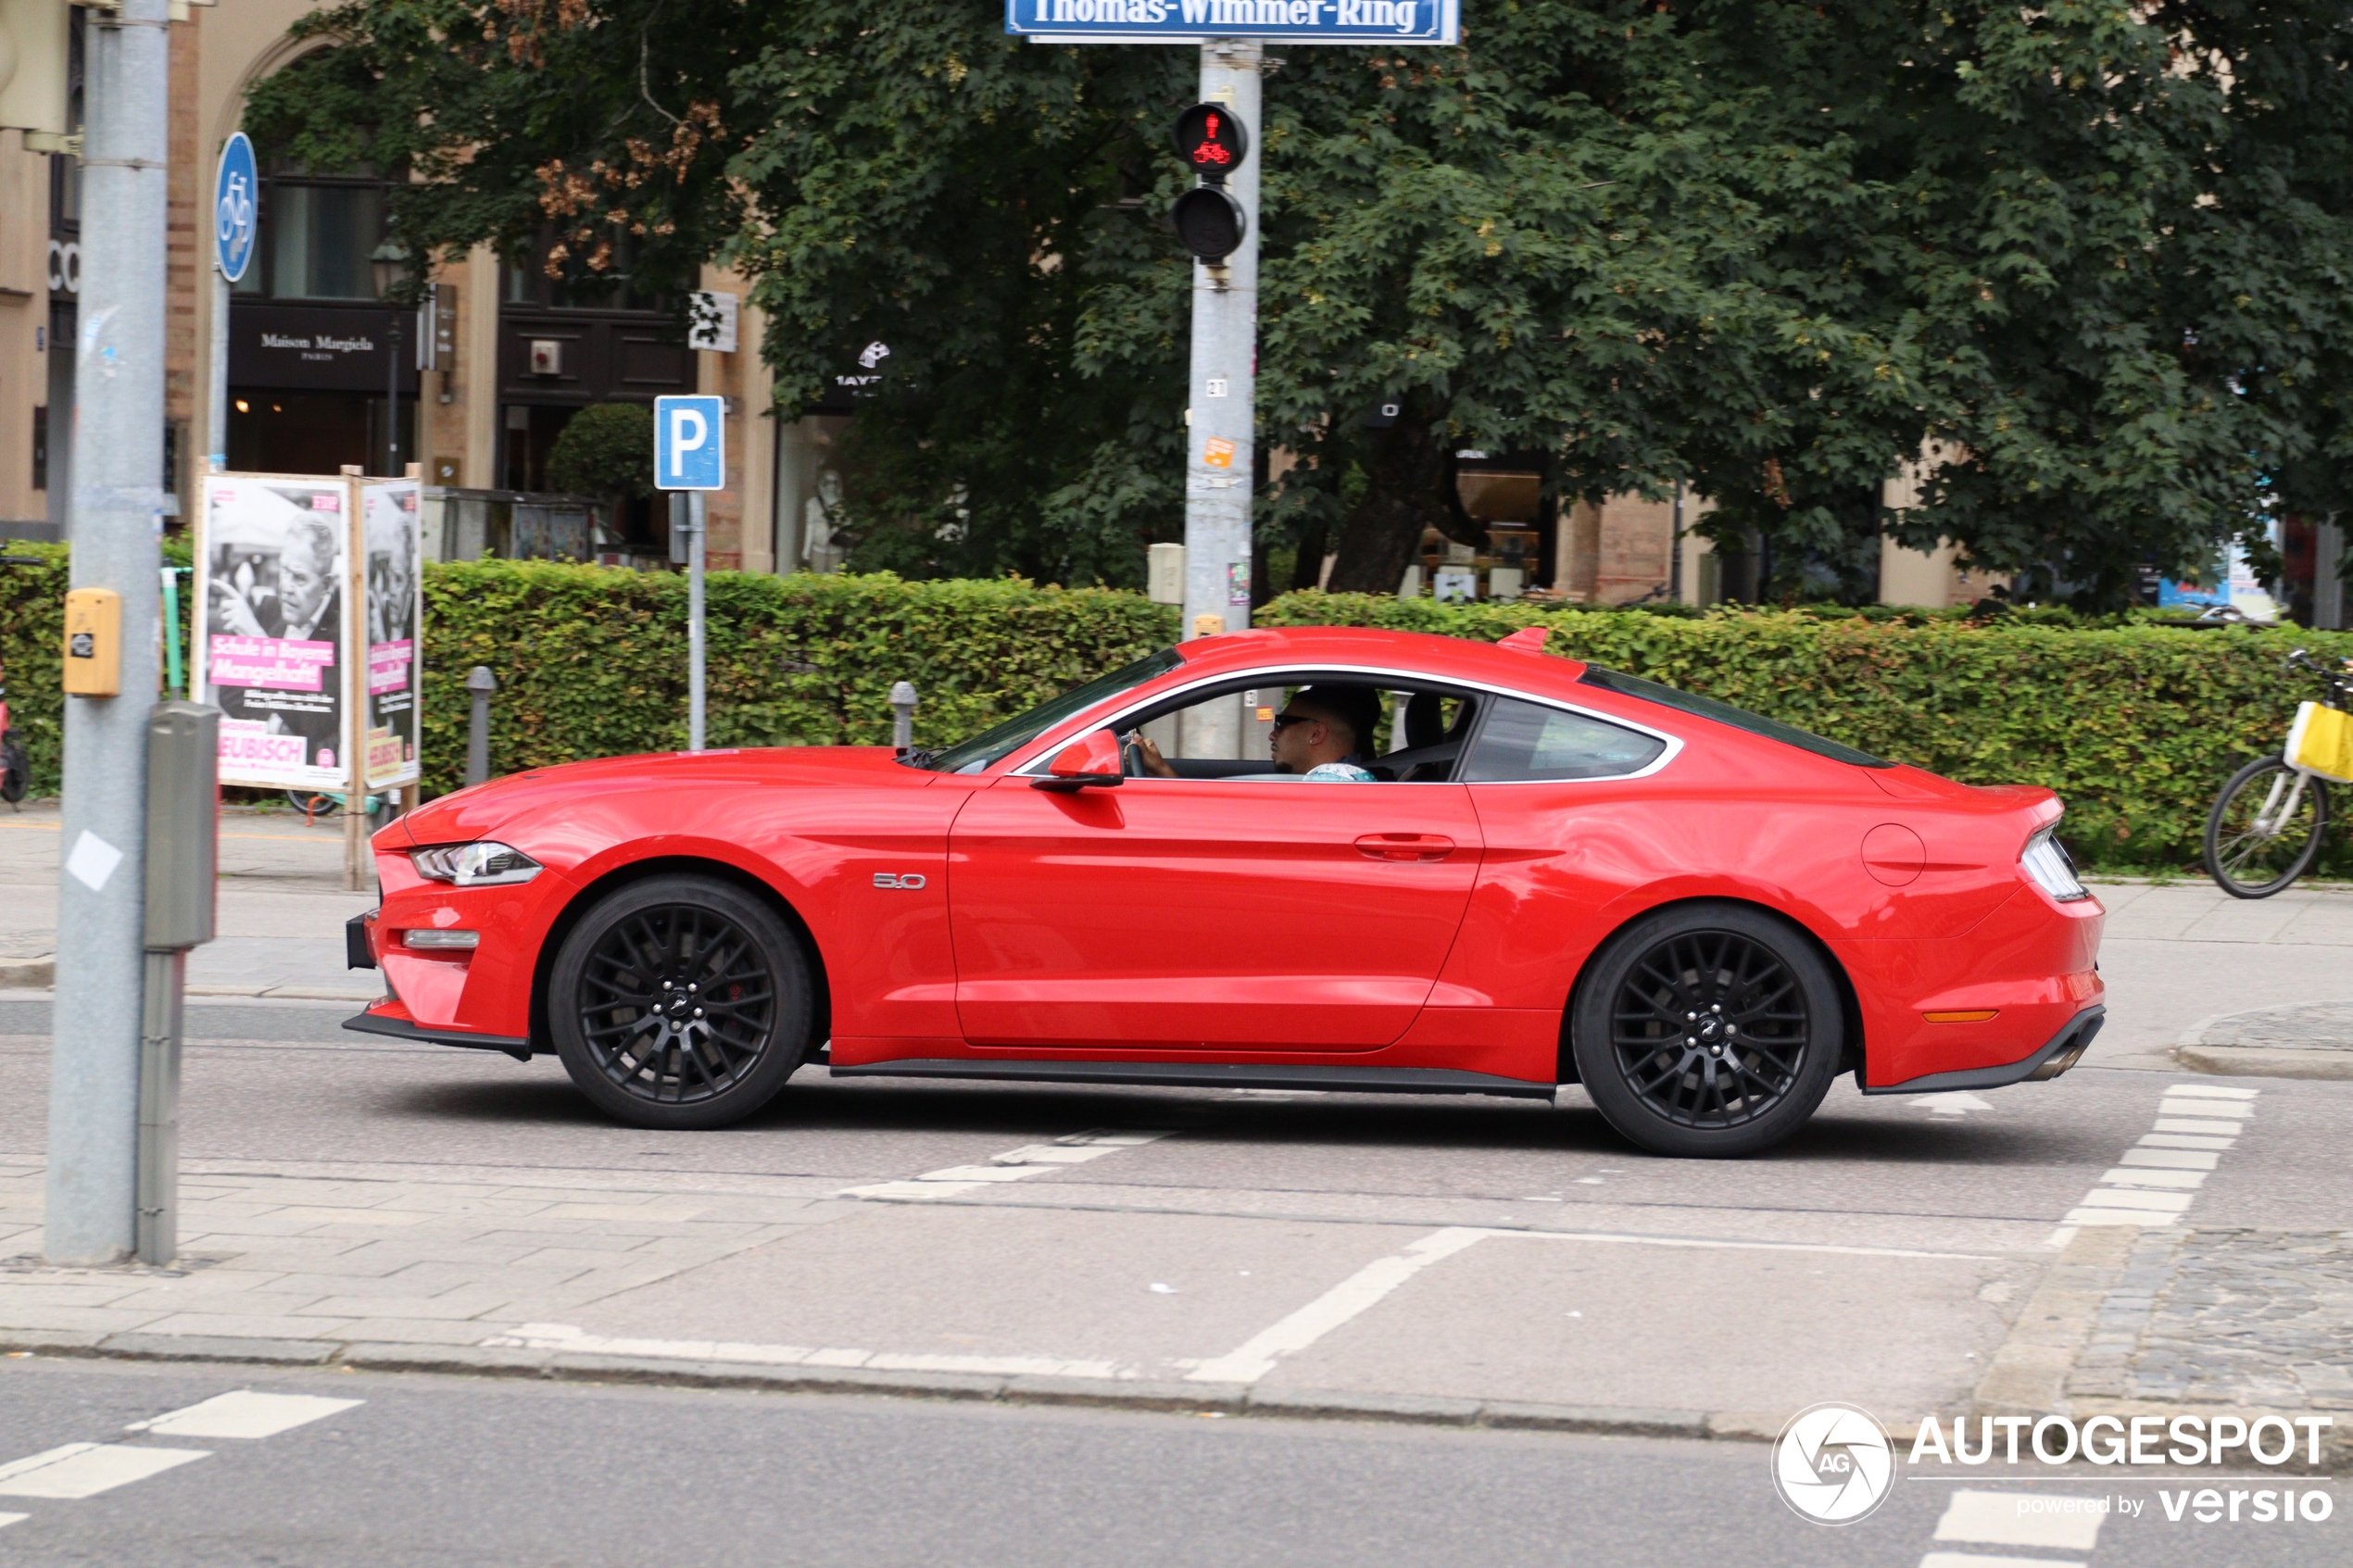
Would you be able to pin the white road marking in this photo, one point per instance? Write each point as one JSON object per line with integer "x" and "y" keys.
{"x": 83, "y": 1470}
{"x": 1256, "y": 1356}
{"x": 1952, "y": 1102}
{"x": 2202, "y": 1124}
{"x": 1011, "y": 1166}
{"x": 8, "y": 1519}
{"x": 2133, "y": 1198}
{"x": 566, "y": 1338}
{"x": 2179, "y": 1140}
{"x": 2210, "y": 1091}
{"x": 2092, "y": 1216}
{"x": 2185, "y": 1105}
{"x": 2023, "y": 1519}
{"x": 2171, "y": 1159}
{"x": 244, "y": 1413}
{"x": 1970, "y": 1559}
{"x": 2135, "y": 1176}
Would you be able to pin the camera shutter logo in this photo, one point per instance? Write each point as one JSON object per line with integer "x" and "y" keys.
{"x": 1833, "y": 1464}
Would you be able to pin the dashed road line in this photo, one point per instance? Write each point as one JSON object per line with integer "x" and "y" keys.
{"x": 1013, "y": 1165}
{"x": 2026, "y": 1519}
{"x": 2154, "y": 1182}
{"x": 83, "y": 1470}
{"x": 243, "y": 1414}
{"x": 8, "y": 1519}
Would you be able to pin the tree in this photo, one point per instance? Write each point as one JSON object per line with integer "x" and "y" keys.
{"x": 606, "y": 450}
{"x": 1773, "y": 249}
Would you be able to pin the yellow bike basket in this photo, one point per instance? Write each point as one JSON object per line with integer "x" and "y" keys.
{"x": 2321, "y": 741}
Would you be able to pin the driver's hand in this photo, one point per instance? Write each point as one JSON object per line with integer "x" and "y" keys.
{"x": 1154, "y": 763}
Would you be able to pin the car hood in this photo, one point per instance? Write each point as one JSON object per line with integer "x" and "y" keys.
{"x": 485, "y": 809}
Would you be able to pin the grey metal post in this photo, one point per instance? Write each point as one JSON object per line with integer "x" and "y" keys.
{"x": 182, "y": 883}
{"x": 116, "y": 499}
{"x": 216, "y": 441}
{"x": 480, "y": 682}
{"x": 902, "y": 716}
{"x": 1223, "y": 397}
{"x": 694, "y": 621}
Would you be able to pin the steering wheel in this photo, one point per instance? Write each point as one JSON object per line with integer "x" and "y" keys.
{"x": 1131, "y": 760}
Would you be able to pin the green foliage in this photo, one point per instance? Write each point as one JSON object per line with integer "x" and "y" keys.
{"x": 607, "y": 450}
{"x": 32, "y": 631}
{"x": 2136, "y": 726}
{"x": 2092, "y": 250}
{"x": 591, "y": 662}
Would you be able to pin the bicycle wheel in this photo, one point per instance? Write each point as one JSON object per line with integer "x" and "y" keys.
{"x": 314, "y": 803}
{"x": 2265, "y": 828}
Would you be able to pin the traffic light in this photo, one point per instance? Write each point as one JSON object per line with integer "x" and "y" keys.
{"x": 35, "y": 40}
{"x": 1212, "y": 141}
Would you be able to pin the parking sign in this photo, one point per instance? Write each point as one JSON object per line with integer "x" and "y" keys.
{"x": 690, "y": 444}
{"x": 235, "y": 207}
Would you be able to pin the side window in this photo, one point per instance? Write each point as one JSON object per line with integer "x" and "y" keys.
{"x": 1523, "y": 741}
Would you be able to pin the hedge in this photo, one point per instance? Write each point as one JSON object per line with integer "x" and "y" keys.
{"x": 2136, "y": 726}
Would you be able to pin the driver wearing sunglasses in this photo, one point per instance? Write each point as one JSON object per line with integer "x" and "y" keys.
{"x": 1320, "y": 735}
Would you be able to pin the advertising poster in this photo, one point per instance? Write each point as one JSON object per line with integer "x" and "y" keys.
{"x": 275, "y": 627}
{"x": 394, "y": 568}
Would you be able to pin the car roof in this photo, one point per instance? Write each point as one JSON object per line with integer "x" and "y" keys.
{"x": 1415, "y": 653}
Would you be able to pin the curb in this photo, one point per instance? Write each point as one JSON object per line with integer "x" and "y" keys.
{"x": 1197, "y": 1398}
{"x": 2263, "y": 1061}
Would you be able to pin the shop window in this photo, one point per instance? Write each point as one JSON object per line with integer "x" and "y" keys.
{"x": 321, "y": 238}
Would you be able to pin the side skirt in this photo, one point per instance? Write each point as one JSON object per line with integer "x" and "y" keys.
{"x": 1213, "y": 1075}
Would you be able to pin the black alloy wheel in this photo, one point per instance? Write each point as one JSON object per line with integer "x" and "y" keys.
{"x": 1707, "y": 1029}
{"x": 680, "y": 1002}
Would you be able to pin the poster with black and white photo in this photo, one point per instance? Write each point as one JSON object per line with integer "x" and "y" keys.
{"x": 275, "y": 627}
{"x": 393, "y": 570}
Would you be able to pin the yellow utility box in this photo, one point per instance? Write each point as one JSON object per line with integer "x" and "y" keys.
{"x": 94, "y": 643}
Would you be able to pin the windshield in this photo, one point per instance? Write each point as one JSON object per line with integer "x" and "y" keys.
{"x": 972, "y": 756}
{"x": 1725, "y": 713}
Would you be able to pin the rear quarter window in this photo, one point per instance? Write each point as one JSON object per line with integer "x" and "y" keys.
{"x": 1725, "y": 713}
{"x": 1522, "y": 741}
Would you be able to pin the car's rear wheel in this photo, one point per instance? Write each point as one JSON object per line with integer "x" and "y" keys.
{"x": 680, "y": 1002}
{"x": 1707, "y": 1029}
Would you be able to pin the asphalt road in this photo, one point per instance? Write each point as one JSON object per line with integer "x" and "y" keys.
{"x": 452, "y": 1474}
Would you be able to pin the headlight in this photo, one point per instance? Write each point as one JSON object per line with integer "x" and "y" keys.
{"x": 2045, "y": 860}
{"x": 481, "y": 865}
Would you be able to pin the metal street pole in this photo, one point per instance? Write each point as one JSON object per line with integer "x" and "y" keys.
{"x": 216, "y": 441}
{"x": 694, "y": 517}
{"x": 116, "y": 509}
{"x": 392, "y": 400}
{"x": 1219, "y": 452}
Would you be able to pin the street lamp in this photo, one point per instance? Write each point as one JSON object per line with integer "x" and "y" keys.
{"x": 391, "y": 266}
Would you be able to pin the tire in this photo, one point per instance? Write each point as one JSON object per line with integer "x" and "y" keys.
{"x": 628, "y": 996}
{"x": 316, "y": 804}
{"x": 1708, "y": 1030}
{"x": 2245, "y": 863}
{"x": 16, "y": 770}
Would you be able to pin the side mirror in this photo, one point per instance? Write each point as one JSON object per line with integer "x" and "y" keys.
{"x": 1091, "y": 759}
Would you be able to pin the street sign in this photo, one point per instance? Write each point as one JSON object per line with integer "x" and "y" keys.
{"x": 1198, "y": 22}
{"x": 1212, "y": 139}
{"x": 690, "y": 444}
{"x": 236, "y": 207}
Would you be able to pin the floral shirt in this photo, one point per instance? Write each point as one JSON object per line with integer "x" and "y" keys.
{"x": 1337, "y": 772}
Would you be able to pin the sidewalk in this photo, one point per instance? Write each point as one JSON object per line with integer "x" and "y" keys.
{"x": 283, "y": 905}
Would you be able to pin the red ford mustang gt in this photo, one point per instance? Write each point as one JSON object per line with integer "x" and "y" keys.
{"x": 1551, "y": 874}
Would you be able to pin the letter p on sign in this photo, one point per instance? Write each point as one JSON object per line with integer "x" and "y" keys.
{"x": 690, "y": 444}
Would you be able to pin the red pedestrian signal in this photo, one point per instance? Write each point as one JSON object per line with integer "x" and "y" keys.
{"x": 1212, "y": 139}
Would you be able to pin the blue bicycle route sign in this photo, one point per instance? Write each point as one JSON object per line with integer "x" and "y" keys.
{"x": 236, "y": 207}
{"x": 1195, "y": 22}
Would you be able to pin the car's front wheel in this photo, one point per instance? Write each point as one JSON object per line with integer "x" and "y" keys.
{"x": 680, "y": 1002}
{"x": 1707, "y": 1029}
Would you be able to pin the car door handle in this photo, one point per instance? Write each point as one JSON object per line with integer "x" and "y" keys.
{"x": 1425, "y": 846}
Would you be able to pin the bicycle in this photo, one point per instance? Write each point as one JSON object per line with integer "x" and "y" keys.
{"x": 2265, "y": 828}
{"x": 317, "y": 804}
